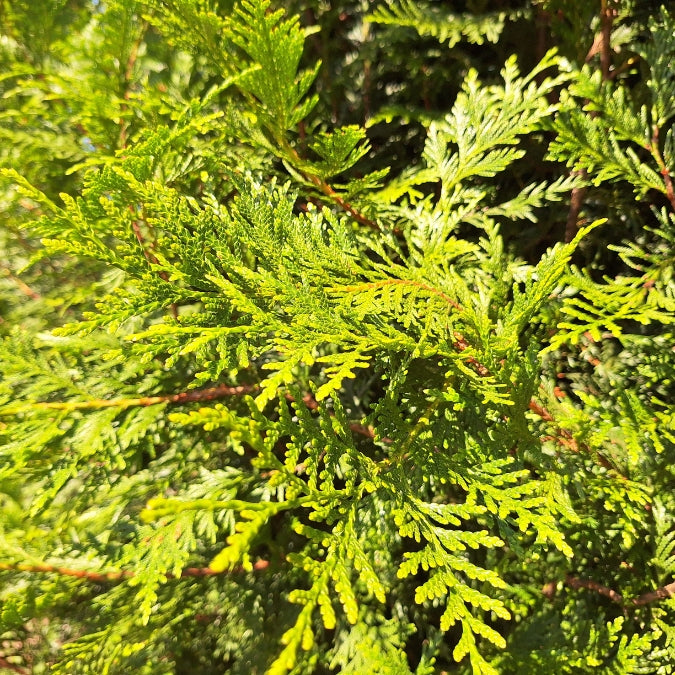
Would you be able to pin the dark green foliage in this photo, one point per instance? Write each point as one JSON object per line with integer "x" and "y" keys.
{"x": 302, "y": 370}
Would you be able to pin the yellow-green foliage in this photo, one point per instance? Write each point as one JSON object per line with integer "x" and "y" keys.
{"x": 301, "y": 370}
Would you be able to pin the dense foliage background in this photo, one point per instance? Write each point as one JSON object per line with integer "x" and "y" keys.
{"x": 337, "y": 337}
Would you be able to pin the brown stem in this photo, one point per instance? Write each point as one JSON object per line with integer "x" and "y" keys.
{"x": 211, "y": 394}
{"x": 576, "y": 583}
{"x": 24, "y": 287}
{"x": 667, "y": 591}
{"x": 324, "y": 186}
{"x": 601, "y": 45}
{"x": 135, "y": 226}
{"x": 102, "y": 577}
{"x": 662, "y": 593}
{"x": 669, "y": 187}
{"x": 606, "y": 20}
{"x": 4, "y": 663}
{"x": 576, "y": 203}
{"x": 654, "y": 148}
{"x": 184, "y": 397}
{"x": 540, "y": 411}
{"x": 334, "y": 196}
{"x": 367, "y": 83}
{"x": 566, "y": 439}
{"x": 147, "y": 249}
{"x": 460, "y": 344}
{"x": 542, "y": 24}
{"x": 363, "y": 430}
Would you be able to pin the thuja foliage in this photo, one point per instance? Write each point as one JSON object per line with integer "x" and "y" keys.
{"x": 337, "y": 337}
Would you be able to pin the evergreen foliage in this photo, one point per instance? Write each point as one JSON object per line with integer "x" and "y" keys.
{"x": 328, "y": 346}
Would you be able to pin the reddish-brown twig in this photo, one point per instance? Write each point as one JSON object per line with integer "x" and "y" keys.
{"x": 655, "y": 150}
{"x": 667, "y": 591}
{"x": 213, "y": 393}
{"x": 324, "y": 187}
{"x": 601, "y": 45}
{"x": 23, "y": 286}
{"x": 662, "y": 593}
{"x": 4, "y": 663}
{"x": 94, "y": 404}
{"x": 118, "y": 575}
{"x": 567, "y": 440}
{"x": 576, "y": 583}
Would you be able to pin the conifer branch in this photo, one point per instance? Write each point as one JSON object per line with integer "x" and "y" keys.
{"x": 213, "y": 393}
{"x": 119, "y": 575}
{"x": 127, "y": 78}
{"x": 600, "y": 45}
{"x": 403, "y": 282}
{"x": 437, "y": 335}
{"x": 567, "y": 440}
{"x": 96, "y": 404}
{"x": 342, "y": 203}
{"x": 662, "y": 593}
{"x": 148, "y": 250}
{"x": 325, "y": 187}
{"x": 577, "y": 583}
{"x": 655, "y": 150}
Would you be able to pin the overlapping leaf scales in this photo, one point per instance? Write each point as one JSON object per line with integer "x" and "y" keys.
{"x": 338, "y": 150}
{"x": 428, "y": 435}
{"x": 167, "y": 549}
{"x": 276, "y": 44}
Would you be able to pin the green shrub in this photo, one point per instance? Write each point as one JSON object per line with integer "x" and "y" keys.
{"x": 337, "y": 339}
